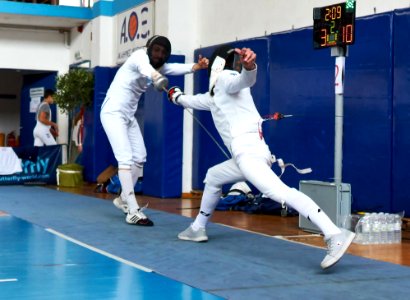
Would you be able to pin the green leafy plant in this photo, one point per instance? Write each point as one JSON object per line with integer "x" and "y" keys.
{"x": 74, "y": 90}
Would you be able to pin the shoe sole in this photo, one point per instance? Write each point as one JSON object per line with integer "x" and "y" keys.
{"x": 198, "y": 240}
{"x": 339, "y": 256}
{"x": 145, "y": 223}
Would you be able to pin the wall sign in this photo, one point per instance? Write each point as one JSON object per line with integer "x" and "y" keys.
{"x": 134, "y": 28}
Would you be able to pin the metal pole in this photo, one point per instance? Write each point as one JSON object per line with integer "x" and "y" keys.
{"x": 338, "y": 138}
{"x": 340, "y": 54}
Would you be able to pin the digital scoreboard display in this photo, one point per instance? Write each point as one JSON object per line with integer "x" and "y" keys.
{"x": 334, "y": 25}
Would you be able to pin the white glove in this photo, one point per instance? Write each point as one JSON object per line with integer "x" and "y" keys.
{"x": 174, "y": 93}
{"x": 159, "y": 81}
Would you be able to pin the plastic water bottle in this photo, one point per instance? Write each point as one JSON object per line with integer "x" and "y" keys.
{"x": 383, "y": 227}
{"x": 390, "y": 228}
{"x": 374, "y": 229}
{"x": 359, "y": 232}
{"x": 397, "y": 229}
{"x": 365, "y": 223}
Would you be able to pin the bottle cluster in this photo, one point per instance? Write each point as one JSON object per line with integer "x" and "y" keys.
{"x": 378, "y": 228}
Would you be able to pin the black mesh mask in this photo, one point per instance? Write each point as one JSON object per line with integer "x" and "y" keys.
{"x": 162, "y": 41}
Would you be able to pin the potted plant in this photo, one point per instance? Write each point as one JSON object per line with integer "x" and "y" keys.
{"x": 74, "y": 93}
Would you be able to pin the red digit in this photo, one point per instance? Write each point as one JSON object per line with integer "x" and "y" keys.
{"x": 323, "y": 37}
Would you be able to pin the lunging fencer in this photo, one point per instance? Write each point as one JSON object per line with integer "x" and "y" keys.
{"x": 144, "y": 67}
{"x": 236, "y": 118}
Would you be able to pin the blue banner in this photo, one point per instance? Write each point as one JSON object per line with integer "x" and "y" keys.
{"x": 39, "y": 165}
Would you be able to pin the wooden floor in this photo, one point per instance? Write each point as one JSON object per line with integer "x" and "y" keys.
{"x": 287, "y": 227}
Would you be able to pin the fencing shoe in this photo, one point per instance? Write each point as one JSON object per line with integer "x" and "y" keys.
{"x": 120, "y": 204}
{"x": 336, "y": 246}
{"x": 138, "y": 218}
{"x": 190, "y": 234}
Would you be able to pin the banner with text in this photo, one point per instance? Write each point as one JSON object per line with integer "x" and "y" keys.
{"x": 39, "y": 165}
{"x": 134, "y": 28}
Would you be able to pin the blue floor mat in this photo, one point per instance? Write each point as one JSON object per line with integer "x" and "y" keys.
{"x": 38, "y": 265}
{"x": 234, "y": 264}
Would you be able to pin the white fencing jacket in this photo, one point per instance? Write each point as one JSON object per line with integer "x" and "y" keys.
{"x": 232, "y": 107}
{"x": 133, "y": 79}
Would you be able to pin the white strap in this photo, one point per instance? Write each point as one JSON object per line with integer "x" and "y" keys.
{"x": 283, "y": 166}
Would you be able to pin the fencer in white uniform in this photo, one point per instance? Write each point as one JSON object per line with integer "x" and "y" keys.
{"x": 236, "y": 119}
{"x": 144, "y": 67}
{"x": 41, "y": 132}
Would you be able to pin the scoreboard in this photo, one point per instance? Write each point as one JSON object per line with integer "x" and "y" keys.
{"x": 334, "y": 25}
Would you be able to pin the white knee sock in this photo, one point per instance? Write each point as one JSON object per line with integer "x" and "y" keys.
{"x": 127, "y": 187}
{"x": 136, "y": 171}
{"x": 209, "y": 201}
{"x": 310, "y": 210}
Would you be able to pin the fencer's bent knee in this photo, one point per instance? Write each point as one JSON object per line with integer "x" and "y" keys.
{"x": 211, "y": 179}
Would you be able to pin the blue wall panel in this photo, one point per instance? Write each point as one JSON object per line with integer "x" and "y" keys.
{"x": 205, "y": 153}
{"x": 163, "y": 124}
{"x": 401, "y": 108}
{"x": 301, "y": 83}
{"x": 97, "y": 153}
{"x": 368, "y": 115}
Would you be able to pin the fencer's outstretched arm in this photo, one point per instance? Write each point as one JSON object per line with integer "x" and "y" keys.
{"x": 198, "y": 101}
{"x": 181, "y": 69}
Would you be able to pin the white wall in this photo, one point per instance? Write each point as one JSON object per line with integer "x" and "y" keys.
{"x": 80, "y": 47}
{"x": 224, "y": 21}
{"x": 103, "y": 46}
{"x": 28, "y": 49}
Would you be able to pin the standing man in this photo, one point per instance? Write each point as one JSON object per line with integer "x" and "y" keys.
{"x": 144, "y": 67}
{"x": 236, "y": 118}
{"x": 43, "y": 130}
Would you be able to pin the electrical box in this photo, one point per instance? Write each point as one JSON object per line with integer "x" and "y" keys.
{"x": 334, "y": 199}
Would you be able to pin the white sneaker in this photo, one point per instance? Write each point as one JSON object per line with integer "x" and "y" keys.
{"x": 120, "y": 205}
{"x": 138, "y": 218}
{"x": 336, "y": 246}
{"x": 190, "y": 234}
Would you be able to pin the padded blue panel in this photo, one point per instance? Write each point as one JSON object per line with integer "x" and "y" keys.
{"x": 163, "y": 125}
{"x": 368, "y": 115}
{"x": 302, "y": 83}
{"x": 47, "y": 80}
{"x": 205, "y": 153}
{"x": 97, "y": 153}
{"x": 401, "y": 109}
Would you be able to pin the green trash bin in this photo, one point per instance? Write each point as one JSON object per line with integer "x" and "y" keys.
{"x": 70, "y": 175}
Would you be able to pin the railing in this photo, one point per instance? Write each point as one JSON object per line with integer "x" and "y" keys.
{"x": 78, "y": 3}
{"x": 52, "y": 2}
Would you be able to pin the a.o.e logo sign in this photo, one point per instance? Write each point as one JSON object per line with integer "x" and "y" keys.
{"x": 133, "y": 26}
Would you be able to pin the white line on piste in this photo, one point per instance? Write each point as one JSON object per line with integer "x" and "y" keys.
{"x": 99, "y": 250}
{"x": 8, "y": 279}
